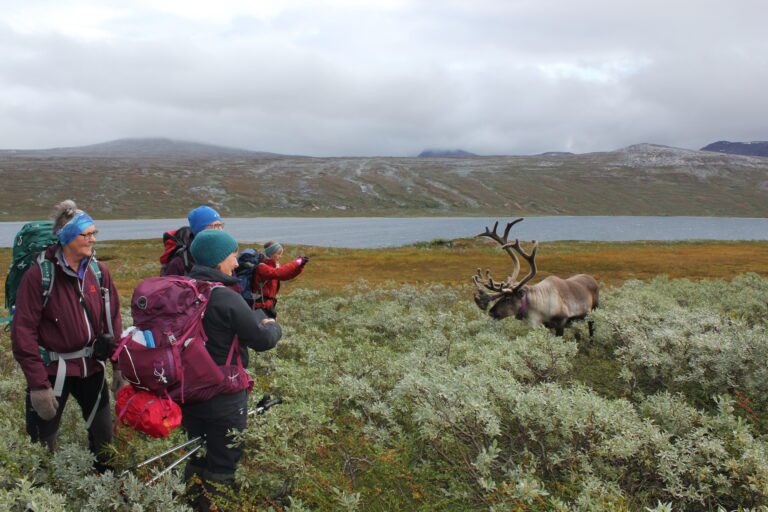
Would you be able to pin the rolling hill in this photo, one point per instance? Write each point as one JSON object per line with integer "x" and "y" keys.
{"x": 644, "y": 179}
{"x": 140, "y": 148}
{"x": 758, "y": 148}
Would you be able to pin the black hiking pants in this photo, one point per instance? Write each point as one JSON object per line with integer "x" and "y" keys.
{"x": 270, "y": 312}
{"x": 213, "y": 419}
{"x": 88, "y": 391}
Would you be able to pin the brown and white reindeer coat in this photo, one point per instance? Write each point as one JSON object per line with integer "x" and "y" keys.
{"x": 554, "y": 302}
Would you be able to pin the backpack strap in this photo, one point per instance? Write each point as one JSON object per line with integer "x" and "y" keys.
{"x": 186, "y": 256}
{"x": 234, "y": 350}
{"x": 61, "y": 368}
{"x": 96, "y": 270}
{"x": 48, "y": 274}
{"x": 108, "y": 311}
{"x": 104, "y": 294}
{"x": 263, "y": 298}
{"x": 260, "y": 296}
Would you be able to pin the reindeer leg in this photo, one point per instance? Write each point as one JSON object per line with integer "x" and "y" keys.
{"x": 591, "y": 326}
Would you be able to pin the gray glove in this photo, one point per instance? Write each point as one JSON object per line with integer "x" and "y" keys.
{"x": 44, "y": 403}
{"x": 118, "y": 381}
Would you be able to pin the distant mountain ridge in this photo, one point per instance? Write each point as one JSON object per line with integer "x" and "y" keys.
{"x": 142, "y": 148}
{"x": 445, "y": 153}
{"x": 757, "y": 148}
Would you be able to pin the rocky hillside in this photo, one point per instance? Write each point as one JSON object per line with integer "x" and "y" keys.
{"x": 638, "y": 180}
{"x": 759, "y": 148}
{"x": 141, "y": 148}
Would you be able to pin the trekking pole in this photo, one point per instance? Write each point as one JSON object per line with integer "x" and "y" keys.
{"x": 179, "y": 461}
{"x": 263, "y": 405}
{"x": 198, "y": 439}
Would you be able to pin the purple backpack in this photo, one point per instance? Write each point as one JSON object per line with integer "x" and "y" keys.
{"x": 173, "y": 360}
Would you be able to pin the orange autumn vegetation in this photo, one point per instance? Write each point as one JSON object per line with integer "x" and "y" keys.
{"x": 453, "y": 263}
{"x": 610, "y": 263}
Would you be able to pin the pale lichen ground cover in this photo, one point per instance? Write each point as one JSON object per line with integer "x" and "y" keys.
{"x": 410, "y": 398}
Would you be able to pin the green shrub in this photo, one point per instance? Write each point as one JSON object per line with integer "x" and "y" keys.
{"x": 413, "y": 399}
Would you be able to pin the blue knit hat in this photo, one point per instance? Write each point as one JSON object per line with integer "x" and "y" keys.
{"x": 211, "y": 247}
{"x": 200, "y": 217}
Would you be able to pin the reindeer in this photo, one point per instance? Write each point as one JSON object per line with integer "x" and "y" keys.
{"x": 554, "y": 302}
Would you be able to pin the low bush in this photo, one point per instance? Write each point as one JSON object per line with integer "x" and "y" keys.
{"x": 405, "y": 398}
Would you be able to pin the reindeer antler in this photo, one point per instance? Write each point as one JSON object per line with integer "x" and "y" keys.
{"x": 503, "y": 241}
{"x": 488, "y": 282}
{"x": 530, "y": 258}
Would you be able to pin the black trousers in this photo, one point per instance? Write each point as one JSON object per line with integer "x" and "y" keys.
{"x": 88, "y": 391}
{"x": 270, "y": 312}
{"x": 213, "y": 419}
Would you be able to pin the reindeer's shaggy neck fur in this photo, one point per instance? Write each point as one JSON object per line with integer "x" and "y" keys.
{"x": 522, "y": 313}
{"x": 537, "y": 300}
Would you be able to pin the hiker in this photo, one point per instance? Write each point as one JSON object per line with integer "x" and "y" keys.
{"x": 62, "y": 335}
{"x": 177, "y": 259}
{"x": 269, "y": 274}
{"x": 228, "y": 320}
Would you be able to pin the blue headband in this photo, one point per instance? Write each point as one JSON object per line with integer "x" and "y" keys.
{"x": 76, "y": 225}
{"x": 272, "y": 249}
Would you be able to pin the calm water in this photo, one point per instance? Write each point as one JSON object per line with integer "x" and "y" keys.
{"x": 363, "y": 232}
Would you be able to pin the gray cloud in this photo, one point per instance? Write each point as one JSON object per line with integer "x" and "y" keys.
{"x": 338, "y": 78}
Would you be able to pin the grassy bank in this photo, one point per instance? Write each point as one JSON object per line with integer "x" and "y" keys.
{"x": 452, "y": 263}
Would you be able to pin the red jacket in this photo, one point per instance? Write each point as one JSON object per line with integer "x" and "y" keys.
{"x": 267, "y": 277}
{"x": 62, "y": 326}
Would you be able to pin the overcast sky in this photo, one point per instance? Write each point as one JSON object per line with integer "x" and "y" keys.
{"x": 385, "y": 77}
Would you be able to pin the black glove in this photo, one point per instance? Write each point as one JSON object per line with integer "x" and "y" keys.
{"x": 304, "y": 260}
{"x": 103, "y": 347}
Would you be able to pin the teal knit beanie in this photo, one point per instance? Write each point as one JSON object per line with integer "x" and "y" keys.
{"x": 211, "y": 247}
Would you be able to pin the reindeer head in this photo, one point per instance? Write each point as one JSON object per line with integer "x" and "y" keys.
{"x": 504, "y": 305}
{"x": 506, "y": 298}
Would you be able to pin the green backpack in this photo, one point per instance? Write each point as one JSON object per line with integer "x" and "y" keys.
{"x": 29, "y": 247}
{"x": 29, "y": 243}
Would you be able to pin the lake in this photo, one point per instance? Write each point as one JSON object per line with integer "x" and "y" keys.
{"x": 371, "y": 232}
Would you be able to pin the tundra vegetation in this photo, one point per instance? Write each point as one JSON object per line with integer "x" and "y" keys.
{"x": 406, "y": 396}
{"x": 143, "y": 181}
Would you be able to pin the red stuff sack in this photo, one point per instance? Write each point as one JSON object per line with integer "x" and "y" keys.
{"x": 147, "y": 412}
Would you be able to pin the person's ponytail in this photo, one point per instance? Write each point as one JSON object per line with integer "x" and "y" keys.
{"x": 63, "y": 213}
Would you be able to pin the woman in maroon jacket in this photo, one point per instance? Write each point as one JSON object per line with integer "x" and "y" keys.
{"x": 269, "y": 273}
{"x": 62, "y": 340}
